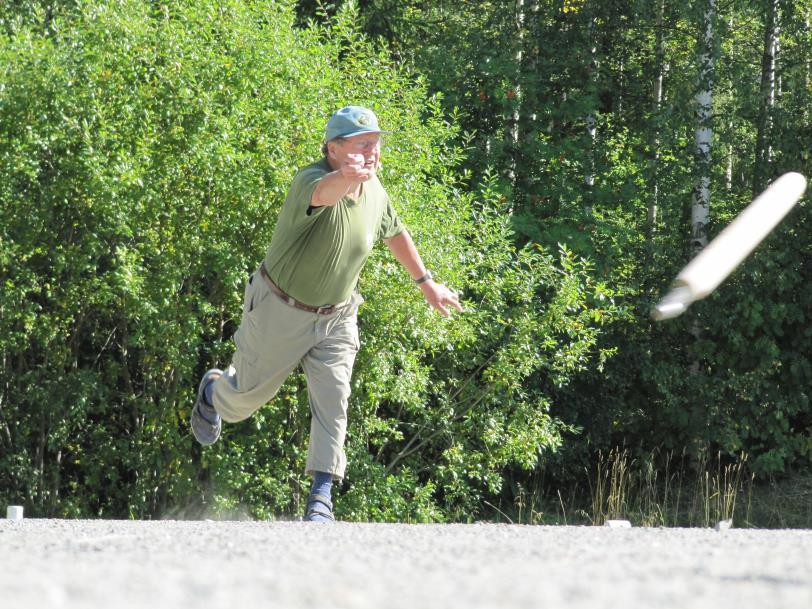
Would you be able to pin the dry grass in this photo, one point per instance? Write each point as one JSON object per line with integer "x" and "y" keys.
{"x": 698, "y": 492}
{"x": 668, "y": 490}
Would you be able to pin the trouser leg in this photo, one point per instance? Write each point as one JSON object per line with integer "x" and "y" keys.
{"x": 271, "y": 340}
{"x": 328, "y": 367}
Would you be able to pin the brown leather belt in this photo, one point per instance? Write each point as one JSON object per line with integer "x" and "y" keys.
{"x": 325, "y": 310}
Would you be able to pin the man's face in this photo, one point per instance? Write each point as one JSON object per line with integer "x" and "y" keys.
{"x": 366, "y": 147}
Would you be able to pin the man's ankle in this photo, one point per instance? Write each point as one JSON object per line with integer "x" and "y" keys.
{"x": 322, "y": 484}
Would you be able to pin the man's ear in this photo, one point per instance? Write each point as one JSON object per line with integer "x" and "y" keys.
{"x": 331, "y": 150}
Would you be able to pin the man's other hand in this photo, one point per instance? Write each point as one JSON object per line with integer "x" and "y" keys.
{"x": 440, "y": 297}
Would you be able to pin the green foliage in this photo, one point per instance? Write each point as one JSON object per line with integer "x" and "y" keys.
{"x": 524, "y": 78}
{"x": 144, "y": 151}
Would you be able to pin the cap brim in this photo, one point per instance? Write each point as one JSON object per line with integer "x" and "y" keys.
{"x": 361, "y": 132}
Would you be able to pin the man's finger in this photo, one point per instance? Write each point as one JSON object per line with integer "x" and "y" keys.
{"x": 352, "y": 169}
{"x": 442, "y": 309}
{"x": 454, "y": 300}
{"x": 355, "y": 160}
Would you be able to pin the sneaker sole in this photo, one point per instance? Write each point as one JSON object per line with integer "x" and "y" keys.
{"x": 203, "y": 431}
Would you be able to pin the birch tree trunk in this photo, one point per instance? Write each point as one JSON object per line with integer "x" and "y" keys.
{"x": 512, "y": 127}
{"x": 729, "y": 161}
{"x": 806, "y": 83}
{"x": 526, "y": 99}
{"x": 656, "y": 107}
{"x": 703, "y": 136}
{"x": 761, "y": 171}
{"x": 700, "y": 207}
{"x": 591, "y": 119}
{"x": 807, "y": 65}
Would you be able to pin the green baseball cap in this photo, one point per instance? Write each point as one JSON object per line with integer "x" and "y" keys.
{"x": 351, "y": 120}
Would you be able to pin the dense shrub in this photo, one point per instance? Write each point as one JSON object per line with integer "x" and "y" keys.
{"x": 144, "y": 151}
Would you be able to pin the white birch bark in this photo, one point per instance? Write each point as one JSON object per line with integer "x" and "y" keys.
{"x": 729, "y": 162}
{"x": 807, "y": 67}
{"x": 807, "y": 63}
{"x": 515, "y": 116}
{"x": 656, "y": 107}
{"x": 591, "y": 119}
{"x": 700, "y": 207}
{"x": 768, "y": 95}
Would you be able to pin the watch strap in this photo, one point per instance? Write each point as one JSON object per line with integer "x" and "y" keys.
{"x": 424, "y": 278}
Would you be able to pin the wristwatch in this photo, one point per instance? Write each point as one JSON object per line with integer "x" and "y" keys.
{"x": 424, "y": 278}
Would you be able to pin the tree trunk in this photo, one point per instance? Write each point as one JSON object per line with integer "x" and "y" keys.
{"x": 591, "y": 119}
{"x": 703, "y": 136}
{"x": 512, "y": 127}
{"x": 761, "y": 172}
{"x": 807, "y": 67}
{"x": 656, "y": 106}
{"x": 526, "y": 96}
{"x": 700, "y": 207}
{"x": 729, "y": 161}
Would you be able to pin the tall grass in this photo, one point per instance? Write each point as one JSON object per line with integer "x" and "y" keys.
{"x": 685, "y": 492}
{"x": 657, "y": 489}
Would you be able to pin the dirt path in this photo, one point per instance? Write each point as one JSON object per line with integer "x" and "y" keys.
{"x": 167, "y": 564}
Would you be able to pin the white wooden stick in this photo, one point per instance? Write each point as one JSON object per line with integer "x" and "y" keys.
{"x": 722, "y": 255}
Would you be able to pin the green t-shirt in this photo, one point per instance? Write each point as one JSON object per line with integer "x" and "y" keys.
{"x": 316, "y": 253}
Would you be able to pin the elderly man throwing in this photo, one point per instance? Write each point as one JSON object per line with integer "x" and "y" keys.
{"x": 301, "y": 304}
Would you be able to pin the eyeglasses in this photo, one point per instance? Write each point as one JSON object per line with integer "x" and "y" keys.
{"x": 363, "y": 144}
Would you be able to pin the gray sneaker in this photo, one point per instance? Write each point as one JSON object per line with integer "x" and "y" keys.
{"x": 205, "y": 422}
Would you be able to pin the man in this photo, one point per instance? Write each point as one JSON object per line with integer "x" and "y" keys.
{"x": 301, "y": 304}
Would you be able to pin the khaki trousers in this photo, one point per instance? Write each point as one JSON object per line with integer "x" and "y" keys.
{"x": 273, "y": 338}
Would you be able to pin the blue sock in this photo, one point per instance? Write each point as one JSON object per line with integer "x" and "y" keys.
{"x": 322, "y": 484}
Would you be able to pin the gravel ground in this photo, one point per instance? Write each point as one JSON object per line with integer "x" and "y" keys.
{"x": 176, "y": 564}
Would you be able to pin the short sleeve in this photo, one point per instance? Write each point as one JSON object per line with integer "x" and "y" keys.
{"x": 301, "y": 189}
{"x": 391, "y": 226}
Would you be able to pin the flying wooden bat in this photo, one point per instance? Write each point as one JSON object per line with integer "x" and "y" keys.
{"x": 722, "y": 255}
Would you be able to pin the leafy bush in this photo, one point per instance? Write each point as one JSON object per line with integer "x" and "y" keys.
{"x": 144, "y": 151}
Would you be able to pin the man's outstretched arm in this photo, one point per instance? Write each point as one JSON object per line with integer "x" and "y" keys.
{"x": 437, "y": 295}
{"x": 341, "y": 182}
